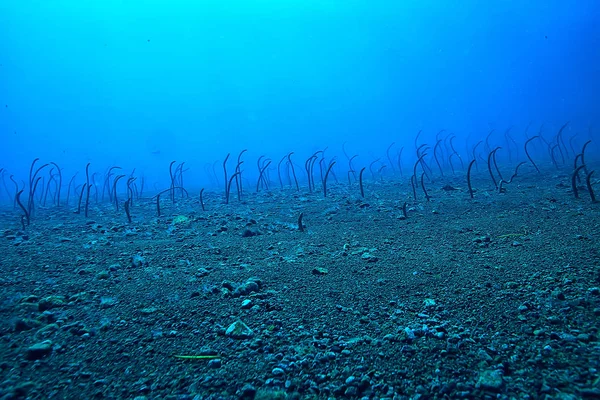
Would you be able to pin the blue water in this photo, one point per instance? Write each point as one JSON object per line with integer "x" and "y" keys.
{"x": 142, "y": 83}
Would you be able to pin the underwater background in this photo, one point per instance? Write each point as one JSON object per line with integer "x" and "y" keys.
{"x": 140, "y": 84}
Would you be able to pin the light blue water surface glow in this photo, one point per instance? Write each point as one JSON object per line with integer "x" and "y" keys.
{"x": 141, "y": 83}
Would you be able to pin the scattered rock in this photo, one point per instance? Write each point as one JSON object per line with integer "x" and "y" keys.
{"x": 26, "y": 324}
{"x": 137, "y": 261}
{"x": 482, "y": 241}
{"x": 429, "y": 303}
{"x": 102, "y": 275}
{"x": 490, "y": 380}
{"x": 39, "y": 350}
{"x": 319, "y": 271}
{"x": 368, "y": 257}
{"x": 51, "y": 302}
{"x": 239, "y": 330}
{"x": 107, "y": 301}
{"x": 181, "y": 220}
{"x": 249, "y": 232}
{"x": 250, "y": 286}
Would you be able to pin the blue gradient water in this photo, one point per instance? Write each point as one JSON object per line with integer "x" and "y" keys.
{"x": 140, "y": 84}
